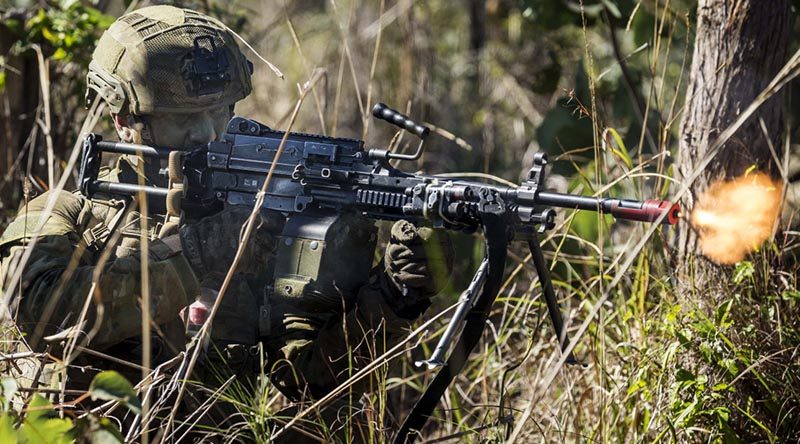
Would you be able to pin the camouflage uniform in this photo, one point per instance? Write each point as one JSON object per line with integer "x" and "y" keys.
{"x": 306, "y": 339}
{"x": 55, "y": 291}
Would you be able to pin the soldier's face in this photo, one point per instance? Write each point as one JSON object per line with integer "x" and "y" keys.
{"x": 185, "y": 131}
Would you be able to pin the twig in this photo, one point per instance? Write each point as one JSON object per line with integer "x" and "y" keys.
{"x": 374, "y": 28}
{"x": 309, "y": 72}
{"x": 107, "y": 357}
{"x": 21, "y": 355}
{"x": 337, "y": 96}
{"x": 348, "y": 56}
{"x": 449, "y": 136}
{"x": 44, "y": 84}
{"x": 635, "y": 98}
{"x": 202, "y": 409}
{"x": 366, "y": 117}
{"x": 144, "y": 269}
{"x": 248, "y": 46}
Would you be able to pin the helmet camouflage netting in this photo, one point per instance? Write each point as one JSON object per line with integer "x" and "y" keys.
{"x": 166, "y": 59}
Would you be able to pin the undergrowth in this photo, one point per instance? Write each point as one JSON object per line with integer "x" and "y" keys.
{"x": 656, "y": 366}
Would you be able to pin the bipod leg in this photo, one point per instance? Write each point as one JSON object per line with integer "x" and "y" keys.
{"x": 496, "y": 243}
{"x": 550, "y": 296}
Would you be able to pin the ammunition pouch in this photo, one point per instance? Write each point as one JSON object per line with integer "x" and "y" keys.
{"x": 322, "y": 261}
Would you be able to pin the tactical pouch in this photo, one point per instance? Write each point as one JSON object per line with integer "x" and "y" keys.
{"x": 320, "y": 263}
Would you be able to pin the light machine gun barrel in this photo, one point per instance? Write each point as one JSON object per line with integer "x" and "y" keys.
{"x": 317, "y": 176}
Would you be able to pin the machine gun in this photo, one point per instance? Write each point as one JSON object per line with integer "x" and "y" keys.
{"x": 320, "y": 182}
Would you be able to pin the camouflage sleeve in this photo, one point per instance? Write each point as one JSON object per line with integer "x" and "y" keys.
{"x": 329, "y": 349}
{"x": 60, "y": 276}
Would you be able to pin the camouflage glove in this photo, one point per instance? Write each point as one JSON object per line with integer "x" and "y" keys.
{"x": 418, "y": 263}
{"x": 210, "y": 244}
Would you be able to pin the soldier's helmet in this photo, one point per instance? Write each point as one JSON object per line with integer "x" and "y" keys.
{"x": 167, "y": 59}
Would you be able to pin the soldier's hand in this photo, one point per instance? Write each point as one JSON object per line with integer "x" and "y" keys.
{"x": 418, "y": 261}
{"x": 210, "y": 244}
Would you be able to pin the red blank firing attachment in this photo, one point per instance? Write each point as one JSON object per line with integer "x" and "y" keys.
{"x": 647, "y": 211}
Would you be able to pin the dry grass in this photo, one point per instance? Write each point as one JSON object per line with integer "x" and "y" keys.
{"x": 628, "y": 324}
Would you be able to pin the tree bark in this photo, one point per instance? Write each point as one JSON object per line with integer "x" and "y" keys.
{"x": 739, "y": 46}
{"x": 18, "y": 102}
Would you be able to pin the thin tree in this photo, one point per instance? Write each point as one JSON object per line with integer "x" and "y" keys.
{"x": 739, "y": 47}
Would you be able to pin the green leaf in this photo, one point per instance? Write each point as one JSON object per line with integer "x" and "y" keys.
{"x": 111, "y": 386}
{"x": 39, "y": 408}
{"x": 50, "y": 37}
{"x": 719, "y": 387}
{"x": 612, "y": 8}
{"x": 8, "y": 434}
{"x": 51, "y": 431}
{"x": 42, "y": 424}
{"x": 91, "y": 429}
{"x": 672, "y": 314}
{"x": 686, "y": 415}
{"x": 620, "y": 150}
{"x": 9, "y": 387}
{"x": 40, "y": 17}
{"x": 627, "y": 316}
{"x": 60, "y": 54}
{"x": 106, "y": 433}
{"x": 684, "y": 375}
{"x": 723, "y": 416}
{"x": 790, "y": 295}
{"x": 729, "y": 365}
{"x": 685, "y": 337}
{"x": 2, "y": 81}
{"x": 66, "y": 4}
{"x": 702, "y": 380}
{"x": 722, "y": 312}
{"x": 744, "y": 270}
{"x": 640, "y": 384}
{"x": 14, "y": 25}
{"x": 103, "y": 21}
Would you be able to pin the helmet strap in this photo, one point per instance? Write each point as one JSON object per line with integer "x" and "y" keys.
{"x": 143, "y": 128}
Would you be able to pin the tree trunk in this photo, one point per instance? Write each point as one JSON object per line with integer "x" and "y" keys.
{"x": 739, "y": 46}
{"x": 18, "y": 101}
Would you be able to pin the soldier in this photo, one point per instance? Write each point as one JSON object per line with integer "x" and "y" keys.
{"x": 171, "y": 77}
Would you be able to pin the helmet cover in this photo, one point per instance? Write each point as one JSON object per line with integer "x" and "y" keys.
{"x": 167, "y": 59}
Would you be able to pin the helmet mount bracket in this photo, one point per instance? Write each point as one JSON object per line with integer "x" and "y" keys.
{"x": 205, "y": 68}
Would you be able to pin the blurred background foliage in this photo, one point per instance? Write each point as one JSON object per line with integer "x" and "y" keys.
{"x": 597, "y": 84}
{"x": 509, "y": 77}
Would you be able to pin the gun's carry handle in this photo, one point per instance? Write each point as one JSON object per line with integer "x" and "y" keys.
{"x": 383, "y": 112}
